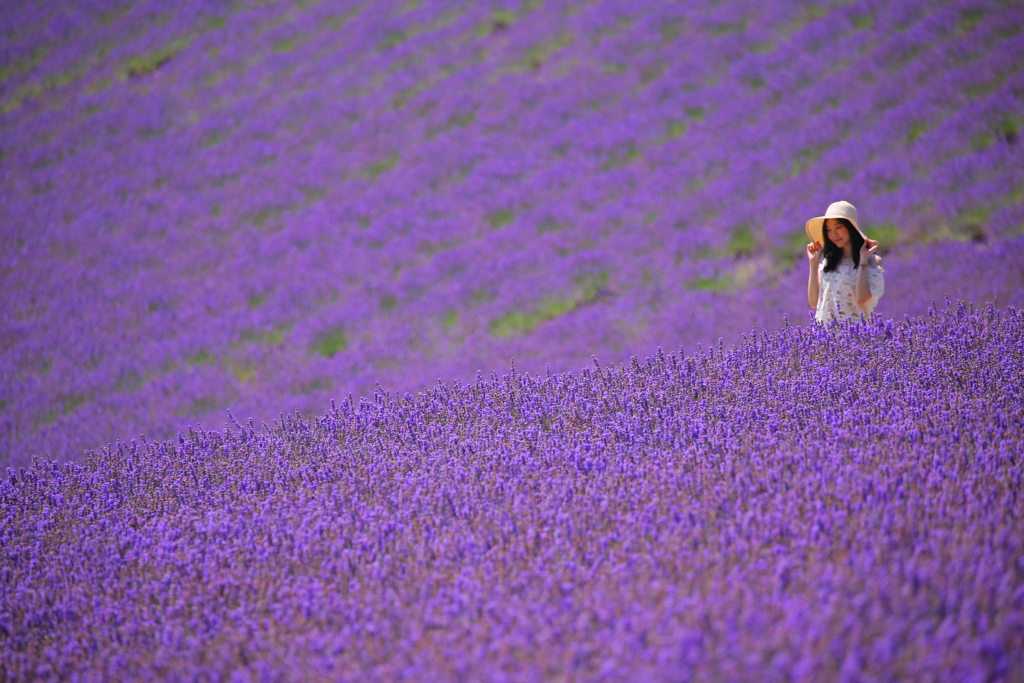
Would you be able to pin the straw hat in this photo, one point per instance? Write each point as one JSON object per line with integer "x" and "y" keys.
{"x": 815, "y": 226}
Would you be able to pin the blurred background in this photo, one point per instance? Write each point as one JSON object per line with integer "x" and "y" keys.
{"x": 264, "y": 206}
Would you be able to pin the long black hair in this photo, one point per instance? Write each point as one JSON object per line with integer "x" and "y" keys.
{"x": 833, "y": 254}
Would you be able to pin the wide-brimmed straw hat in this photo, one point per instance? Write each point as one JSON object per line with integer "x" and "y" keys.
{"x": 815, "y": 226}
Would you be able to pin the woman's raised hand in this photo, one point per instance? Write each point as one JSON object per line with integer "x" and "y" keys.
{"x": 867, "y": 249}
{"x": 813, "y": 252}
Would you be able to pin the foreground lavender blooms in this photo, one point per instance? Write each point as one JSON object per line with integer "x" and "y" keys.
{"x": 838, "y": 503}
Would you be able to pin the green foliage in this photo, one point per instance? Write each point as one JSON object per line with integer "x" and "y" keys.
{"x": 741, "y": 242}
{"x": 312, "y": 194}
{"x": 805, "y": 158}
{"x": 917, "y": 128}
{"x": 392, "y": 38}
{"x": 268, "y": 337}
{"x": 887, "y": 234}
{"x": 969, "y": 17}
{"x": 791, "y": 247}
{"x": 537, "y": 55}
{"x": 388, "y": 302}
{"x": 518, "y": 323}
{"x": 242, "y": 372}
{"x": 670, "y": 31}
{"x": 500, "y": 217}
{"x": 863, "y": 22}
{"x": 146, "y": 63}
{"x": 502, "y": 18}
{"x": 695, "y": 113}
{"x": 676, "y": 128}
{"x": 378, "y": 167}
{"x": 286, "y": 44}
{"x": 755, "y": 83}
{"x": 338, "y": 21}
{"x": 68, "y": 402}
{"x": 719, "y": 284}
{"x": 201, "y": 357}
{"x": 329, "y": 343}
{"x": 261, "y": 217}
{"x": 722, "y": 28}
{"x": 215, "y": 138}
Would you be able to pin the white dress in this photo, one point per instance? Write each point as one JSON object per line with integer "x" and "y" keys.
{"x": 837, "y": 299}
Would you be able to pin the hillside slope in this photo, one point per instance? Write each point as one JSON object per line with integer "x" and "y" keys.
{"x": 813, "y": 504}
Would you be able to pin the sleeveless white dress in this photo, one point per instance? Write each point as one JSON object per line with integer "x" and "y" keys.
{"x": 837, "y": 299}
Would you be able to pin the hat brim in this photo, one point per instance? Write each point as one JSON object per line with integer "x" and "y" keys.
{"x": 815, "y": 228}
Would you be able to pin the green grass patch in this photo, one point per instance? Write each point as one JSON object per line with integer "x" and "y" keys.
{"x": 695, "y": 113}
{"x": 742, "y": 242}
{"x": 500, "y": 218}
{"x": 969, "y": 18}
{"x": 917, "y": 129}
{"x": 863, "y": 22}
{"x": 451, "y": 318}
{"x": 272, "y": 337}
{"x": 242, "y": 371}
{"x": 146, "y": 63}
{"x": 288, "y": 44}
{"x": 670, "y": 31}
{"x": 537, "y": 55}
{"x": 886, "y": 233}
{"x": 215, "y": 138}
{"x": 457, "y": 121}
{"x": 720, "y": 284}
{"x": 261, "y": 217}
{"x": 519, "y": 323}
{"x": 201, "y": 357}
{"x": 68, "y": 402}
{"x": 338, "y": 21}
{"x": 793, "y": 245}
{"x": 502, "y": 18}
{"x": 676, "y": 129}
{"x": 312, "y": 194}
{"x": 805, "y": 158}
{"x": 392, "y": 39}
{"x": 374, "y": 170}
{"x": 721, "y": 28}
{"x": 329, "y": 343}
{"x": 755, "y": 83}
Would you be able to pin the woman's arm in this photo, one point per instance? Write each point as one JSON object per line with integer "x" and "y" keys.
{"x": 863, "y": 292}
{"x": 813, "y": 284}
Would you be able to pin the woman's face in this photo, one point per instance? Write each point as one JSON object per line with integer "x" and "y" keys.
{"x": 837, "y": 232}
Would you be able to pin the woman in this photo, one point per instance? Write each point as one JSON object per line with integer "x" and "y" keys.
{"x": 846, "y": 279}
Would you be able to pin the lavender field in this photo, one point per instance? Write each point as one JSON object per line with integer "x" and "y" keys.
{"x": 264, "y": 206}
{"x": 265, "y": 267}
{"x": 815, "y": 504}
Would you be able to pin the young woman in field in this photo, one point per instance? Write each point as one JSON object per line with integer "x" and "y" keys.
{"x": 846, "y": 279}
